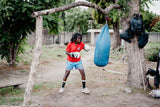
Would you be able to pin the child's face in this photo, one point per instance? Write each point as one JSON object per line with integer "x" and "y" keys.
{"x": 78, "y": 40}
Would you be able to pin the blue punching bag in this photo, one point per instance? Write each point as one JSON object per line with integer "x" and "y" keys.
{"x": 102, "y": 49}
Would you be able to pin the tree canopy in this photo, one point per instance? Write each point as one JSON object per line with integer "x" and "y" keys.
{"x": 77, "y": 20}
{"x": 16, "y": 23}
{"x": 156, "y": 28}
{"x": 147, "y": 19}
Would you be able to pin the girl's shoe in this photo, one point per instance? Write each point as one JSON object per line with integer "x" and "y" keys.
{"x": 85, "y": 91}
{"x": 61, "y": 90}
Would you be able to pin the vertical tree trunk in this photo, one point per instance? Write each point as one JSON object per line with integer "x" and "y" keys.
{"x": 35, "y": 61}
{"x": 12, "y": 55}
{"x": 13, "y": 51}
{"x": 53, "y": 36}
{"x": 10, "y": 61}
{"x": 135, "y": 55}
{"x": 116, "y": 37}
{"x": 136, "y": 65}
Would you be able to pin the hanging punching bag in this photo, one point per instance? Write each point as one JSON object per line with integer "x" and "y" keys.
{"x": 102, "y": 49}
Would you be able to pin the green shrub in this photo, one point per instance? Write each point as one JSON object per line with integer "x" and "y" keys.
{"x": 153, "y": 56}
{"x": 151, "y": 51}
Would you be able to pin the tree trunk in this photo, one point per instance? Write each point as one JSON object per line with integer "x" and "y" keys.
{"x": 116, "y": 37}
{"x": 136, "y": 65}
{"x": 135, "y": 55}
{"x": 35, "y": 61}
{"x": 12, "y": 54}
{"x": 10, "y": 61}
{"x": 53, "y": 39}
{"x": 13, "y": 51}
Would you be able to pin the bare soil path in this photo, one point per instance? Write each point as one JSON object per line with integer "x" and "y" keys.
{"x": 106, "y": 87}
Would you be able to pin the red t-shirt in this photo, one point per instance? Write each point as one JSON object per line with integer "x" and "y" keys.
{"x": 72, "y": 47}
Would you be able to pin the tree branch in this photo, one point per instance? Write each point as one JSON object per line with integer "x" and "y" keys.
{"x": 80, "y": 3}
{"x": 111, "y": 6}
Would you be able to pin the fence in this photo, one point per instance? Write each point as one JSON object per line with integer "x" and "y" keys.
{"x": 47, "y": 38}
{"x": 154, "y": 37}
{"x": 64, "y": 37}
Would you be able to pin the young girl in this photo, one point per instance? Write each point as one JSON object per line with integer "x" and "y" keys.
{"x": 74, "y": 60}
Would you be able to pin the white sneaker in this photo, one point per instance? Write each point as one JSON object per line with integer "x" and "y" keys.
{"x": 61, "y": 90}
{"x": 85, "y": 91}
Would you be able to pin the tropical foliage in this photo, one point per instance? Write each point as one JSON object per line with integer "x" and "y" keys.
{"x": 156, "y": 28}
{"x": 148, "y": 17}
{"x": 16, "y": 23}
{"x": 77, "y": 20}
{"x": 99, "y": 17}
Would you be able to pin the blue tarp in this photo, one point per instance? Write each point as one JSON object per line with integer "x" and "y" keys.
{"x": 102, "y": 49}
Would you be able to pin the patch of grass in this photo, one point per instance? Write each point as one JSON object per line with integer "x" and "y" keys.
{"x": 11, "y": 96}
{"x": 26, "y": 62}
{"x": 25, "y": 58}
{"x": 151, "y": 45}
{"x": 49, "y": 52}
{"x": 15, "y": 96}
{"x": 38, "y": 87}
{"x": 10, "y": 91}
{"x": 22, "y": 71}
{"x": 57, "y": 52}
{"x": 28, "y": 47}
{"x": 3, "y": 91}
{"x": 117, "y": 53}
{"x": 14, "y": 100}
{"x": 47, "y": 85}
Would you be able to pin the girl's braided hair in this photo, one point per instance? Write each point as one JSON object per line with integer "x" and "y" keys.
{"x": 74, "y": 37}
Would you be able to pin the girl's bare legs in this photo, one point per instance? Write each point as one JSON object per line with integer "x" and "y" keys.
{"x": 83, "y": 77}
{"x": 64, "y": 81}
{"x": 65, "y": 77}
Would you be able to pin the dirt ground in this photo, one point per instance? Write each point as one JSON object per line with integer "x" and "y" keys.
{"x": 106, "y": 85}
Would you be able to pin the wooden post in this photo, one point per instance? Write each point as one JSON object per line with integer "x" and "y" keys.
{"x": 62, "y": 38}
{"x": 35, "y": 61}
{"x": 92, "y": 38}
